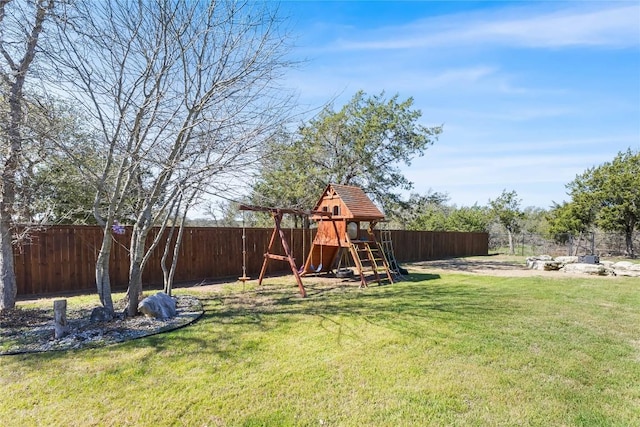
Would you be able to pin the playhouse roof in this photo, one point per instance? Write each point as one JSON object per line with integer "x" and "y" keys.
{"x": 356, "y": 202}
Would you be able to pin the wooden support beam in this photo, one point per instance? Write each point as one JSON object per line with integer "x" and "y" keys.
{"x": 277, "y": 257}
{"x": 277, "y": 230}
{"x": 283, "y": 210}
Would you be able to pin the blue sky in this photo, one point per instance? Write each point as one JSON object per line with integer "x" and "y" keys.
{"x": 530, "y": 93}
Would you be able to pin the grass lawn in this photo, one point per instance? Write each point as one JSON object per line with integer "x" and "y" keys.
{"x": 438, "y": 349}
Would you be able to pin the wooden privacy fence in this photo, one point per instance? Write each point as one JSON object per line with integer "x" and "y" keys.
{"x": 62, "y": 258}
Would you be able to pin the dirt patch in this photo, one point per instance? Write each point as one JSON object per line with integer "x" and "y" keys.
{"x": 476, "y": 265}
{"x": 503, "y": 266}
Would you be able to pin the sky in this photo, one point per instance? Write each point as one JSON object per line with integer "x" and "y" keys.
{"x": 530, "y": 93}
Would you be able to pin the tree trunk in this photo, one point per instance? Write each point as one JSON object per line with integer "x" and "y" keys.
{"x": 176, "y": 254}
{"x": 136, "y": 255}
{"x": 167, "y": 277}
{"x": 135, "y": 288}
{"x": 14, "y": 77}
{"x": 103, "y": 281}
{"x": 8, "y": 286}
{"x": 512, "y": 250}
{"x": 577, "y": 248}
{"x": 628, "y": 237}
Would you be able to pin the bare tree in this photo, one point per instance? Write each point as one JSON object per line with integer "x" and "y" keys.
{"x": 183, "y": 94}
{"x": 21, "y": 24}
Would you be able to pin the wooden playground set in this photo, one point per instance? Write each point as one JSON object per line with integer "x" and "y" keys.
{"x": 340, "y": 213}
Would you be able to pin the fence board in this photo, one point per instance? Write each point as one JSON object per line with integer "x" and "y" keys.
{"x": 62, "y": 258}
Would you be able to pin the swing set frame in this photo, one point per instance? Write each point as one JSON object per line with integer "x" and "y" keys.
{"x": 277, "y": 214}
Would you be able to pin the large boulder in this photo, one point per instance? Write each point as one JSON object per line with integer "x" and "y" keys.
{"x": 626, "y": 268}
{"x": 159, "y": 306}
{"x": 567, "y": 259}
{"x": 594, "y": 269}
{"x": 543, "y": 262}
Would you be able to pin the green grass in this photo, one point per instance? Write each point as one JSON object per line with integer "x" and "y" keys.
{"x": 446, "y": 349}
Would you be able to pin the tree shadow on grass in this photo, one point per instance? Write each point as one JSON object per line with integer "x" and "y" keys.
{"x": 233, "y": 323}
{"x": 396, "y": 307}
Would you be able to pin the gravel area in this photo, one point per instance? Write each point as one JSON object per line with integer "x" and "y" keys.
{"x": 502, "y": 266}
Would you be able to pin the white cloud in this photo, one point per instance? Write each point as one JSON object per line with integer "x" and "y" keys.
{"x": 616, "y": 27}
{"x": 459, "y": 75}
{"x": 578, "y": 25}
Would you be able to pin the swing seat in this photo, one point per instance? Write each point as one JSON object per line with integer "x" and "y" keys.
{"x": 243, "y": 279}
{"x": 315, "y": 269}
{"x": 319, "y": 268}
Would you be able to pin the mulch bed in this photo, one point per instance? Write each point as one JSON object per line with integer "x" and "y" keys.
{"x": 30, "y": 330}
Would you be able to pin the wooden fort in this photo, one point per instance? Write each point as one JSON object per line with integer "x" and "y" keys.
{"x": 342, "y": 239}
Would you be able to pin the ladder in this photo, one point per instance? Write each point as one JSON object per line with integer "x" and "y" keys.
{"x": 369, "y": 259}
{"x": 387, "y": 247}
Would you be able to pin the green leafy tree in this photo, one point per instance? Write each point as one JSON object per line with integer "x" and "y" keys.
{"x": 431, "y": 212}
{"x": 507, "y": 211}
{"x": 407, "y": 214}
{"x": 285, "y": 181}
{"x": 362, "y": 144}
{"x": 471, "y": 219}
{"x": 535, "y": 220}
{"x": 569, "y": 218}
{"x": 612, "y": 192}
{"x": 59, "y": 162}
{"x": 433, "y": 218}
{"x": 62, "y": 193}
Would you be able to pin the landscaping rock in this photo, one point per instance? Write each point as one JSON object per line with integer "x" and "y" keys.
{"x": 537, "y": 262}
{"x": 545, "y": 265}
{"x": 594, "y": 269}
{"x": 567, "y": 259}
{"x": 626, "y": 268}
{"x": 100, "y": 314}
{"x": 158, "y": 306}
{"x": 543, "y": 262}
{"x": 607, "y": 264}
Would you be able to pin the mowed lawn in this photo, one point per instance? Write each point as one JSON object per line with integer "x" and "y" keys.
{"x": 437, "y": 349}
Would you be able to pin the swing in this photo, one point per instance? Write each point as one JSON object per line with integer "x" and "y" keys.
{"x": 304, "y": 245}
{"x": 244, "y": 277}
{"x": 319, "y": 268}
